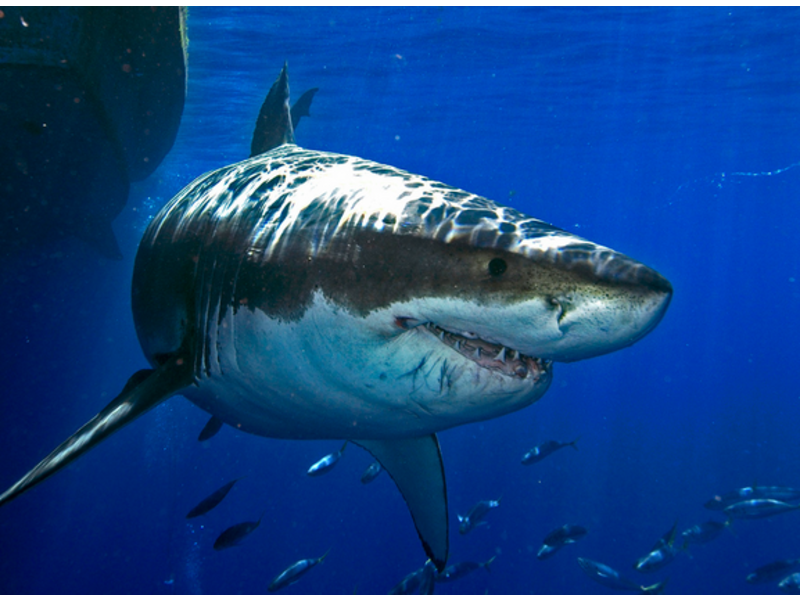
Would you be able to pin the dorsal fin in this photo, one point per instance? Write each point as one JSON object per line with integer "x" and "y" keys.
{"x": 274, "y": 123}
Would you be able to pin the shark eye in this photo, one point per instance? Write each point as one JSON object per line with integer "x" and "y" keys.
{"x": 497, "y": 266}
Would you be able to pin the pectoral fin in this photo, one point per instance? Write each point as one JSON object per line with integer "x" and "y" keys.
{"x": 416, "y": 466}
{"x": 144, "y": 390}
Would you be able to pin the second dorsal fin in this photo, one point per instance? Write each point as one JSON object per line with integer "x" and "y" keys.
{"x": 300, "y": 108}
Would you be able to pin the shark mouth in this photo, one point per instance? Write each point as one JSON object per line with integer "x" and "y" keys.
{"x": 494, "y": 357}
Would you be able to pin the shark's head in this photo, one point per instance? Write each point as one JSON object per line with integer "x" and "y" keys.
{"x": 539, "y": 292}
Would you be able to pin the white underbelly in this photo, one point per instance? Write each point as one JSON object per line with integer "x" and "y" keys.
{"x": 333, "y": 375}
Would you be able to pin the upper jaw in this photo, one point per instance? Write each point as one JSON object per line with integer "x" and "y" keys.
{"x": 507, "y": 338}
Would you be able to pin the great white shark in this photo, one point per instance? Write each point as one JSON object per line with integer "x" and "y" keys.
{"x": 310, "y": 295}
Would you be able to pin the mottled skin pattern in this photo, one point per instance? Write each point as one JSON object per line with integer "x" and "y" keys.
{"x": 286, "y": 207}
{"x": 372, "y": 197}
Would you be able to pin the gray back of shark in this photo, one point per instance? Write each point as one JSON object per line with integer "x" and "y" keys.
{"x": 310, "y": 295}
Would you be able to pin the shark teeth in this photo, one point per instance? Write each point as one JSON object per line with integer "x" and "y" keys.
{"x": 491, "y": 356}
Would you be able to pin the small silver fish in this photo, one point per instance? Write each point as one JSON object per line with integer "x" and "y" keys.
{"x": 326, "y": 463}
{"x": 542, "y": 451}
{"x": 759, "y": 508}
{"x": 371, "y": 472}
{"x": 234, "y": 534}
{"x": 462, "y": 569}
{"x": 566, "y": 534}
{"x": 605, "y": 575}
{"x": 657, "y": 559}
{"x": 475, "y": 515}
{"x": 558, "y": 538}
{"x": 791, "y": 584}
{"x": 428, "y": 579}
{"x": 705, "y": 532}
{"x": 784, "y": 494}
{"x": 409, "y": 584}
{"x": 295, "y": 572}
{"x": 772, "y": 571}
{"x": 662, "y": 554}
{"x": 212, "y": 500}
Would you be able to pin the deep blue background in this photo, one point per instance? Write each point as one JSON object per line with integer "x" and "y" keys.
{"x": 669, "y": 134}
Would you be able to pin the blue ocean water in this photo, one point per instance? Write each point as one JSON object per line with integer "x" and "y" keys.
{"x": 668, "y": 134}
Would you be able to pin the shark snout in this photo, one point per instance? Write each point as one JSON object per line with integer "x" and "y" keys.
{"x": 619, "y": 301}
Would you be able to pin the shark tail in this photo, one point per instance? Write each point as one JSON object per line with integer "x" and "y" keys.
{"x": 145, "y": 389}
